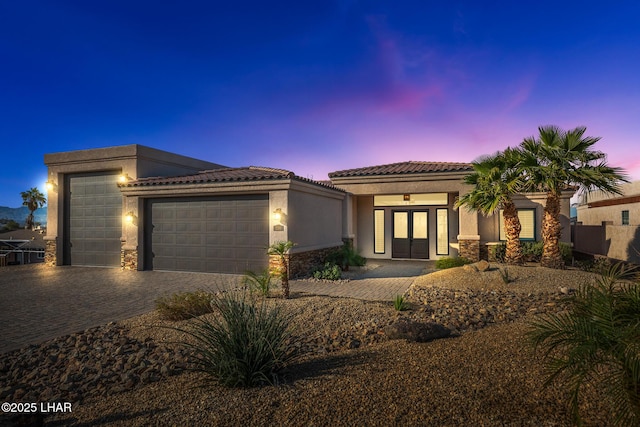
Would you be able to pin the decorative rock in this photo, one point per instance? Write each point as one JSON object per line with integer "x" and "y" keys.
{"x": 482, "y": 266}
{"x": 410, "y": 330}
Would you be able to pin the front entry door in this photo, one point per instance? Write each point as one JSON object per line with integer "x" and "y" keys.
{"x": 410, "y": 234}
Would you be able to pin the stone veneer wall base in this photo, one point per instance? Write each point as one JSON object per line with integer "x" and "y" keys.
{"x": 50, "y": 257}
{"x": 301, "y": 264}
{"x": 129, "y": 259}
{"x": 469, "y": 249}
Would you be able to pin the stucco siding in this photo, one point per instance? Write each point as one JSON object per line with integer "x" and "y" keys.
{"x": 314, "y": 220}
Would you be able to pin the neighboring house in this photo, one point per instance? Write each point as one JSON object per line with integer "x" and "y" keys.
{"x": 609, "y": 225}
{"x": 141, "y": 208}
{"x": 21, "y": 247}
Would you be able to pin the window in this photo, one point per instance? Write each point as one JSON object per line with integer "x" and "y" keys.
{"x": 442, "y": 226}
{"x": 421, "y": 199}
{"x": 625, "y": 217}
{"x": 527, "y": 222}
{"x": 378, "y": 231}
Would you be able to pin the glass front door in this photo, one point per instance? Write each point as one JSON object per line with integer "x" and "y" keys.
{"x": 410, "y": 234}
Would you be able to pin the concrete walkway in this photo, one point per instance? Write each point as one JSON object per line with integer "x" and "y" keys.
{"x": 381, "y": 281}
{"x": 38, "y": 303}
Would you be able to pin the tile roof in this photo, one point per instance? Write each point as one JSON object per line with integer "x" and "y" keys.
{"x": 403, "y": 168}
{"x": 251, "y": 173}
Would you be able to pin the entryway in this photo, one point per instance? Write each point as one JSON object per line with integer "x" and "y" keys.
{"x": 410, "y": 234}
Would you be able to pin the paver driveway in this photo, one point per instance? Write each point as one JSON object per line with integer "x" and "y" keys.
{"x": 38, "y": 303}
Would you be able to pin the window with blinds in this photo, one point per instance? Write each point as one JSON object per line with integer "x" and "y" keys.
{"x": 527, "y": 222}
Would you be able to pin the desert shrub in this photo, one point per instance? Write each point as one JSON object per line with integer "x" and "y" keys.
{"x": 532, "y": 251}
{"x": 184, "y": 305}
{"x": 329, "y": 271}
{"x": 259, "y": 282}
{"x": 596, "y": 343}
{"x": 449, "y": 262}
{"x": 596, "y": 265}
{"x": 400, "y": 304}
{"x": 245, "y": 343}
{"x": 498, "y": 252}
{"x": 504, "y": 275}
{"x": 345, "y": 257}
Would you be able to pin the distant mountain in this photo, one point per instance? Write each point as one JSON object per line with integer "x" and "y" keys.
{"x": 19, "y": 215}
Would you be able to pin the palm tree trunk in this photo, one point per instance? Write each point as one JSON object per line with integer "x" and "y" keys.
{"x": 551, "y": 232}
{"x": 285, "y": 277}
{"x": 512, "y": 226}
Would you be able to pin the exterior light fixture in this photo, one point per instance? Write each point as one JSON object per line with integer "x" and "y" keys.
{"x": 277, "y": 215}
{"x": 123, "y": 178}
{"x": 51, "y": 186}
{"x": 130, "y": 217}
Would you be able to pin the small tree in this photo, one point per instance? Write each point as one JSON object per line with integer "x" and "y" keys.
{"x": 281, "y": 250}
{"x": 32, "y": 199}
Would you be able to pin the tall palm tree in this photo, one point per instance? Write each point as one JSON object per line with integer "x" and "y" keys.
{"x": 32, "y": 199}
{"x": 495, "y": 179}
{"x": 558, "y": 160}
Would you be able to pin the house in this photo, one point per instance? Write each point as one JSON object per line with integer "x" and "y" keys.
{"x": 609, "y": 225}
{"x": 140, "y": 208}
{"x": 21, "y": 247}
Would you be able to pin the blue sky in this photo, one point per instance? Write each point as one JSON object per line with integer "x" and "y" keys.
{"x": 312, "y": 86}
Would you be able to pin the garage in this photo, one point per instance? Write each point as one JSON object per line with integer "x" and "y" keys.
{"x": 93, "y": 221}
{"x": 225, "y": 234}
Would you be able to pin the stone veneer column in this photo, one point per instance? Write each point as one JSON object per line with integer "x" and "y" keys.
{"x": 129, "y": 259}
{"x": 469, "y": 248}
{"x": 50, "y": 253}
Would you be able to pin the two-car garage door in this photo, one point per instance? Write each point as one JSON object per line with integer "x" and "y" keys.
{"x": 218, "y": 234}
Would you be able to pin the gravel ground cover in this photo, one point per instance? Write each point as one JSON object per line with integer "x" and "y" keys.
{"x": 130, "y": 373}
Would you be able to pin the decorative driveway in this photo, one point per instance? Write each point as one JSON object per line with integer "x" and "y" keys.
{"x": 38, "y": 303}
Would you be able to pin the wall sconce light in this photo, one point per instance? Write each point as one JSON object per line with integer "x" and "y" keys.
{"x": 51, "y": 186}
{"x": 123, "y": 178}
{"x": 131, "y": 218}
{"x": 277, "y": 215}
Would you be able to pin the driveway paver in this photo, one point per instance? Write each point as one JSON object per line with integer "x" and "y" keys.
{"x": 38, "y": 303}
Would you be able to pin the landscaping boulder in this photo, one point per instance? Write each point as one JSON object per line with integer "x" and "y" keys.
{"x": 411, "y": 330}
{"x": 482, "y": 265}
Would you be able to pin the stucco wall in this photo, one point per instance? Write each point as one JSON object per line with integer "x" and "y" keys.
{"x": 620, "y": 242}
{"x": 314, "y": 219}
{"x": 489, "y": 226}
{"x": 613, "y": 214}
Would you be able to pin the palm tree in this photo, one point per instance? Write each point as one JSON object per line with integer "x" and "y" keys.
{"x": 557, "y": 161}
{"x": 281, "y": 249}
{"x": 495, "y": 179}
{"x": 32, "y": 199}
{"x": 596, "y": 343}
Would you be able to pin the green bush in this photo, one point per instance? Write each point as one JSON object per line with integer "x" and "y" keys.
{"x": 246, "y": 343}
{"x": 184, "y": 305}
{"x": 448, "y": 262}
{"x": 498, "y": 252}
{"x": 345, "y": 257}
{"x": 329, "y": 271}
{"x": 531, "y": 251}
{"x": 596, "y": 343}
{"x": 260, "y": 282}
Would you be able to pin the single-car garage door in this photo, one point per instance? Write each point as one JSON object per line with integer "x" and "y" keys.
{"x": 215, "y": 235}
{"x": 93, "y": 220}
